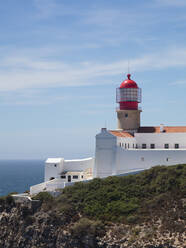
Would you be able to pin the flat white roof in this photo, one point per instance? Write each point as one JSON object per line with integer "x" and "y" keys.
{"x": 54, "y": 160}
{"x": 79, "y": 160}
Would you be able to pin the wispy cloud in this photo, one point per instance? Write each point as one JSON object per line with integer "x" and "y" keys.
{"x": 34, "y": 72}
{"x": 179, "y": 82}
{"x": 31, "y": 97}
{"x": 52, "y": 8}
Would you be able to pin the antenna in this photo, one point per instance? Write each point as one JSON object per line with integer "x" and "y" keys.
{"x": 105, "y": 124}
{"x": 128, "y": 66}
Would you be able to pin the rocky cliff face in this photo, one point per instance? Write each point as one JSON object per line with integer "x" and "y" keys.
{"x": 147, "y": 210}
{"x": 22, "y": 226}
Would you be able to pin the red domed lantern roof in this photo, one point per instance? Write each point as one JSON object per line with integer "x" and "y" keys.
{"x": 128, "y": 83}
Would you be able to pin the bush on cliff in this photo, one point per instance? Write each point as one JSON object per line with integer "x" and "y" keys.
{"x": 85, "y": 227}
{"x": 44, "y": 197}
{"x": 125, "y": 198}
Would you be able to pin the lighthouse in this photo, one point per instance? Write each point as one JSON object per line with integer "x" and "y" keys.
{"x": 128, "y": 149}
{"x": 128, "y": 96}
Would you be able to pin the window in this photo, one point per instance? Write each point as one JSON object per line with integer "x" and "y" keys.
{"x": 142, "y": 159}
{"x": 63, "y": 176}
{"x": 75, "y": 177}
{"x": 166, "y": 146}
{"x": 52, "y": 178}
{"x": 176, "y": 146}
{"x": 55, "y": 165}
{"x": 152, "y": 146}
{"x": 133, "y": 146}
{"x": 125, "y": 146}
{"x": 128, "y": 146}
{"x": 82, "y": 176}
{"x": 144, "y": 146}
{"x": 128, "y": 94}
{"x": 167, "y": 159}
{"x": 126, "y": 115}
{"x": 136, "y": 146}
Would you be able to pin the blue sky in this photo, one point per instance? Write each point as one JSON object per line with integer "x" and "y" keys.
{"x": 61, "y": 60}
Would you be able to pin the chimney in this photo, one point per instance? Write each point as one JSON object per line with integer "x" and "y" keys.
{"x": 104, "y": 130}
{"x": 161, "y": 128}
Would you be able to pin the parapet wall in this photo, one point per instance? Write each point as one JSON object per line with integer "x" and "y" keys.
{"x": 78, "y": 164}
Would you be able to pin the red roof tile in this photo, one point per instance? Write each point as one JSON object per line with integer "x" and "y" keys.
{"x": 176, "y": 129}
{"x": 124, "y": 134}
{"x": 121, "y": 134}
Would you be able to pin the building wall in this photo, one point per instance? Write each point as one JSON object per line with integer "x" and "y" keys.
{"x": 132, "y": 160}
{"x": 128, "y": 119}
{"x": 49, "y": 186}
{"x": 78, "y": 164}
{"x": 159, "y": 139}
{"x": 53, "y": 169}
{"x": 126, "y": 143}
{"x": 105, "y": 153}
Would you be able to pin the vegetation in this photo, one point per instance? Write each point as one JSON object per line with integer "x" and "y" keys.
{"x": 146, "y": 208}
{"x": 8, "y": 199}
{"x": 44, "y": 197}
{"x": 86, "y": 227}
{"x": 126, "y": 198}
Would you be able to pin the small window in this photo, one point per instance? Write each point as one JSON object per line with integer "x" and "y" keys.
{"x": 55, "y": 165}
{"x": 136, "y": 146}
{"x": 125, "y": 146}
{"x": 166, "y": 146}
{"x": 152, "y": 146}
{"x": 167, "y": 159}
{"x": 144, "y": 146}
{"x": 75, "y": 177}
{"x": 133, "y": 146}
{"x": 142, "y": 159}
{"x": 120, "y": 144}
{"x": 63, "y": 176}
{"x": 52, "y": 178}
{"x": 128, "y": 146}
{"x": 126, "y": 115}
{"x": 82, "y": 176}
{"x": 176, "y": 146}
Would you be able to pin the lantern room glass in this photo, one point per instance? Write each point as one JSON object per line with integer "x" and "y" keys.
{"x": 128, "y": 95}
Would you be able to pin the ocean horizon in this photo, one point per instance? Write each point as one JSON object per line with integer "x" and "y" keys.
{"x": 18, "y": 175}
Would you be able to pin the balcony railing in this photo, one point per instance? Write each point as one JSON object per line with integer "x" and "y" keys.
{"x": 139, "y": 108}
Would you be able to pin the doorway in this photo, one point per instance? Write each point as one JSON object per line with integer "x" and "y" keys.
{"x": 69, "y": 179}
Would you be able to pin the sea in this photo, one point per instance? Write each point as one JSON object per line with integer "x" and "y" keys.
{"x": 19, "y": 175}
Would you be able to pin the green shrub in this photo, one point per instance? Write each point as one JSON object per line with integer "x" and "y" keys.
{"x": 44, "y": 197}
{"x": 2, "y": 200}
{"x": 132, "y": 219}
{"x": 86, "y": 227}
{"x": 123, "y": 198}
{"x": 13, "y": 193}
{"x": 9, "y": 199}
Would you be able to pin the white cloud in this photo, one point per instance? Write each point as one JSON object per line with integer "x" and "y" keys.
{"x": 34, "y": 72}
{"x": 179, "y": 82}
{"x": 29, "y": 97}
{"x": 49, "y": 8}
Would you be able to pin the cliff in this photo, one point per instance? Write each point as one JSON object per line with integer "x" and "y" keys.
{"x": 147, "y": 210}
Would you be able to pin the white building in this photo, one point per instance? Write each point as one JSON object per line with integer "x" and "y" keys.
{"x": 60, "y": 173}
{"x": 129, "y": 148}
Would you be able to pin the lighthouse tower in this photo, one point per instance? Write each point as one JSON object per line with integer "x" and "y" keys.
{"x": 128, "y": 95}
